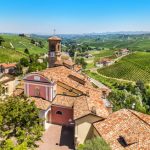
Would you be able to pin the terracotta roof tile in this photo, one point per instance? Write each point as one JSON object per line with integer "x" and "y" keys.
{"x": 54, "y": 38}
{"x": 5, "y": 65}
{"x": 61, "y": 74}
{"x": 64, "y": 100}
{"x": 83, "y": 104}
{"x": 77, "y": 68}
{"x": 69, "y": 62}
{"x": 18, "y": 92}
{"x": 40, "y": 103}
{"x": 81, "y": 107}
{"x": 130, "y": 126}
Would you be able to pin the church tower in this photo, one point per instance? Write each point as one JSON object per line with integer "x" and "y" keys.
{"x": 54, "y": 54}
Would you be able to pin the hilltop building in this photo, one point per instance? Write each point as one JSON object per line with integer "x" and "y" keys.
{"x": 65, "y": 96}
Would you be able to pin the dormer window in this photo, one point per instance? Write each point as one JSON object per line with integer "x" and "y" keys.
{"x": 122, "y": 141}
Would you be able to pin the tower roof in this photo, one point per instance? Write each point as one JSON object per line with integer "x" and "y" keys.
{"x": 54, "y": 38}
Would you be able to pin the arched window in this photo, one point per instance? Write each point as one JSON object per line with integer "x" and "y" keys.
{"x": 52, "y": 47}
{"x": 59, "y": 112}
{"x": 58, "y": 47}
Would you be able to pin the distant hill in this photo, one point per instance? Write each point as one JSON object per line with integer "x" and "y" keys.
{"x": 133, "y": 67}
{"x": 13, "y": 48}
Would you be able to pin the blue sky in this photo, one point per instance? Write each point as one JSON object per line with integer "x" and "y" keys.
{"x": 74, "y": 16}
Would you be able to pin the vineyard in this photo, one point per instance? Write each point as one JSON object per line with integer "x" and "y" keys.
{"x": 134, "y": 67}
{"x": 9, "y": 55}
{"x": 21, "y": 43}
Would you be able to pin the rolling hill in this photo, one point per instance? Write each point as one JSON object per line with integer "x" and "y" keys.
{"x": 20, "y": 43}
{"x": 13, "y": 48}
{"x": 133, "y": 67}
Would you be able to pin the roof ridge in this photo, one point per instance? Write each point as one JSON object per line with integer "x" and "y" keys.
{"x": 138, "y": 117}
{"x": 87, "y": 103}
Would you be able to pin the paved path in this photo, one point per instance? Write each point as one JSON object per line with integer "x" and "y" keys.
{"x": 57, "y": 138}
{"x": 97, "y": 83}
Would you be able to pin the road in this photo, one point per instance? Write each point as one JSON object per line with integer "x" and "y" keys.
{"x": 97, "y": 83}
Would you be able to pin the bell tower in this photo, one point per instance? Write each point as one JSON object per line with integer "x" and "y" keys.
{"x": 54, "y": 53}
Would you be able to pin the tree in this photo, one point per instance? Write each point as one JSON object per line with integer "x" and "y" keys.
{"x": 37, "y": 66}
{"x": 24, "y": 62}
{"x": 20, "y": 126}
{"x": 41, "y": 44}
{"x": 26, "y": 51}
{"x": 32, "y": 41}
{"x": 18, "y": 69}
{"x": 140, "y": 85}
{"x": 71, "y": 52}
{"x": 33, "y": 58}
{"x": 1, "y": 40}
{"x": 81, "y": 61}
{"x": 97, "y": 143}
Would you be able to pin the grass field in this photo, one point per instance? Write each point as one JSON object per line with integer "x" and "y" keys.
{"x": 96, "y": 56}
{"x": 9, "y": 55}
{"x": 133, "y": 67}
{"x": 20, "y": 43}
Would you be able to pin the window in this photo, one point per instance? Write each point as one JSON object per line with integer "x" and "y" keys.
{"x": 59, "y": 112}
{"x": 53, "y": 48}
{"x": 52, "y": 54}
{"x": 37, "y": 78}
{"x": 6, "y": 90}
{"x": 37, "y": 92}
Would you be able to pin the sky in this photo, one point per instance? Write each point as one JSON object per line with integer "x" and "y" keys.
{"x": 74, "y": 16}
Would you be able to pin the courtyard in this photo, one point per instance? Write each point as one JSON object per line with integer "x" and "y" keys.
{"x": 57, "y": 137}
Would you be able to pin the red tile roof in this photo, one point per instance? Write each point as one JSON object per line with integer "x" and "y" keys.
{"x": 5, "y": 65}
{"x": 133, "y": 126}
{"x": 90, "y": 97}
{"x": 40, "y": 103}
{"x": 68, "y": 62}
{"x": 77, "y": 68}
{"x": 55, "y": 38}
{"x": 64, "y": 100}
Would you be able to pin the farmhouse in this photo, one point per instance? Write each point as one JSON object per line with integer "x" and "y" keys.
{"x": 66, "y": 97}
{"x": 7, "y": 82}
{"x": 7, "y": 68}
{"x": 104, "y": 62}
{"x": 122, "y": 52}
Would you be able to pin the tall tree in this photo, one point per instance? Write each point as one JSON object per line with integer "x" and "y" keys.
{"x": 19, "y": 123}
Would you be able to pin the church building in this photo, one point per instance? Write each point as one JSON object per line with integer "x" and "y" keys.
{"x": 65, "y": 96}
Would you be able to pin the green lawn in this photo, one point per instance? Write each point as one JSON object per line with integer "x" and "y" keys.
{"x": 133, "y": 67}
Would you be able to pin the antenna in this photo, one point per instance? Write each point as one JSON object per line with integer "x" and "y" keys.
{"x": 54, "y": 32}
